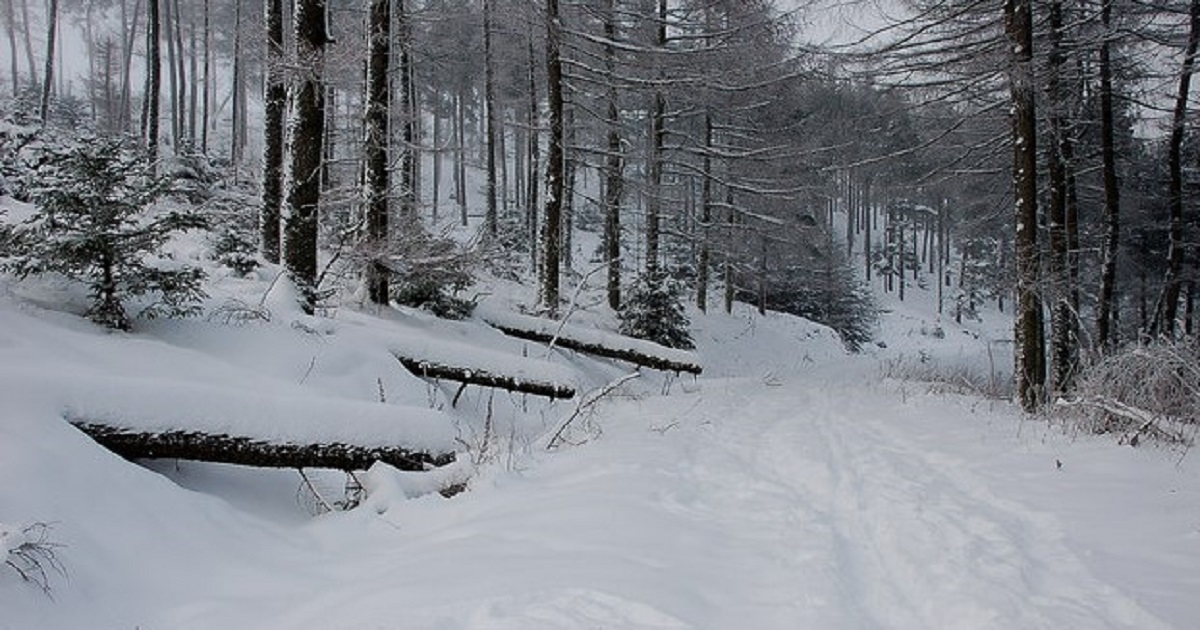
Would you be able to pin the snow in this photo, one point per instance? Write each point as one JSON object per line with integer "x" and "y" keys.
{"x": 790, "y": 486}
{"x": 588, "y": 336}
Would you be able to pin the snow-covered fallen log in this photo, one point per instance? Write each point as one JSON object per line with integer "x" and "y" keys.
{"x": 281, "y": 426}
{"x": 475, "y": 376}
{"x": 247, "y": 451}
{"x": 596, "y": 342}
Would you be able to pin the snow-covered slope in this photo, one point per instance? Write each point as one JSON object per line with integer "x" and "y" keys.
{"x": 789, "y": 486}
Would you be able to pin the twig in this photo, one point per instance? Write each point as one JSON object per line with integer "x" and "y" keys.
{"x": 585, "y": 403}
{"x": 573, "y": 306}
{"x": 321, "y": 502}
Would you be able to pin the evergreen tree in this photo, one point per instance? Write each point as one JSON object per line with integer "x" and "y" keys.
{"x": 654, "y": 312}
{"x": 93, "y": 225}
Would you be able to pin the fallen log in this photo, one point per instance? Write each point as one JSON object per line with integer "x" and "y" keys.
{"x": 231, "y": 449}
{"x": 475, "y": 376}
{"x": 624, "y": 354}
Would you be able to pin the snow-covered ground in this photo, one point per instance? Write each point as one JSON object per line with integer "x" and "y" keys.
{"x": 789, "y": 486}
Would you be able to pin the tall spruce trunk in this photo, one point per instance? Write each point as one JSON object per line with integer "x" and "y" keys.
{"x": 1112, "y": 188}
{"x": 181, "y": 137}
{"x": 408, "y": 118}
{"x": 1063, "y": 335}
{"x": 29, "y": 57}
{"x": 555, "y": 181}
{"x": 1029, "y": 351}
{"x": 173, "y": 79}
{"x": 706, "y": 207}
{"x": 153, "y": 81}
{"x": 51, "y": 37}
{"x": 306, "y": 137}
{"x": 658, "y": 135}
{"x": 491, "y": 219}
{"x": 1168, "y": 301}
{"x": 274, "y": 106}
{"x": 378, "y": 109}
{"x": 614, "y": 180}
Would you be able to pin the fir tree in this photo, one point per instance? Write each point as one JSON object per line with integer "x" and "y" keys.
{"x": 93, "y": 225}
{"x": 654, "y": 312}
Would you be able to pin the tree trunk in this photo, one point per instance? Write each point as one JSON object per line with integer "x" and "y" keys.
{"x": 274, "y": 105}
{"x": 1168, "y": 301}
{"x": 10, "y": 29}
{"x": 1063, "y": 342}
{"x": 123, "y": 121}
{"x": 1029, "y": 350}
{"x": 706, "y": 204}
{"x": 555, "y": 181}
{"x": 378, "y": 110}
{"x": 235, "y": 145}
{"x": 491, "y": 220}
{"x": 169, "y": 18}
{"x": 460, "y": 156}
{"x": 658, "y": 135}
{"x": 531, "y": 186}
{"x": 436, "y": 201}
{"x": 207, "y": 88}
{"x": 193, "y": 94}
{"x": 181, "y": 136}
{"x": 153, "y": 81}
{"x": 307, "y": 136}
{"x": 51, "y": 36}
{"x": 614, "y": 179}
{"x": 408, "y": 119}
{"x": 29, "y": 57}
{"x": 246, "y": 451}
{"x": 1112, "y": 187}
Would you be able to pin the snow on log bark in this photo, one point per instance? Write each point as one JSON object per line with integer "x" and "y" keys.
{"x": 231, "y": 449}
{"x": 642, "y": 354}
{"x": 474, "y": 376}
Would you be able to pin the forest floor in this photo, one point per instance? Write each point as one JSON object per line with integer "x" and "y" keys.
{"x": 790, "y": 486}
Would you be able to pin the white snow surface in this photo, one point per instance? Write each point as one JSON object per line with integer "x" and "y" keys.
{"x": 790, "y": 486}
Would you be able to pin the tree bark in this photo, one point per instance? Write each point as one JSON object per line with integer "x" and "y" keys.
{"x": 555, "y": 183}
{"x": 378, "y": 182}
{"x": 1063, "y": 338}
{"x": 1029, "y": 351}
{"x": 275, "y": 104}
{"x": 706, "y": 206}
{"x": 245, "y": 451}
{"x": 1168, "y": 300}
{"x": 307, "y": 137}
{"x": 153, "y": 81}
{"x": 491, "y": 220}
{"x": 624, "y": 354}
{"x": 474, "y": 376}
{"x": 614, "y": 180}
{"x": 1112, "y": 187}
{"x": 51, "y": 37}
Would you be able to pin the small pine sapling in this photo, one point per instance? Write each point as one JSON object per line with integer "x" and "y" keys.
{"x": 93, "y": 225}
{"x": 654, "y": 312}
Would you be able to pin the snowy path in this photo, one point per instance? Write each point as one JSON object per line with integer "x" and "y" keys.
{"x": 744, "y": 505}
{"x": 871, "y": 531}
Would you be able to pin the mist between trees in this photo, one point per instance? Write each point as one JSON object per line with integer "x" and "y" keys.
{"x": 1039, "y": 156}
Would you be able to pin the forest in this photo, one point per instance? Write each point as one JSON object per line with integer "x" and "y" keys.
{"x": 1041, "y": 157}
{"x": 576, "y": 314}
